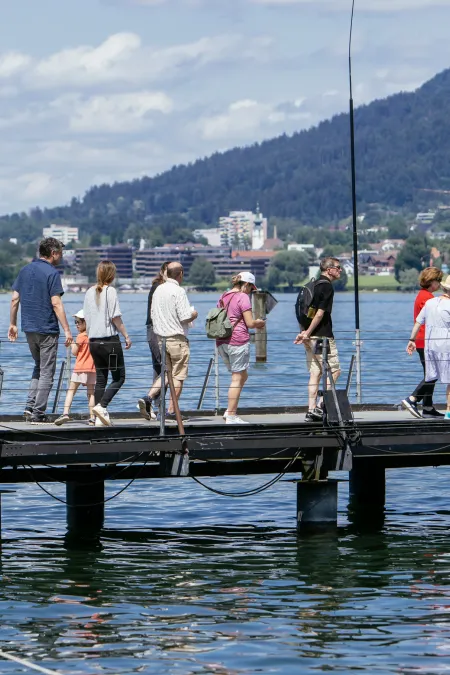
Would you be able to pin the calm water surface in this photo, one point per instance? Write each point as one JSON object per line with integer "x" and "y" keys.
{"x": 184, "y": 582}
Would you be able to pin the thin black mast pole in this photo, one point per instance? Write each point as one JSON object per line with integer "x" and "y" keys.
{"x": 354, "y": 214}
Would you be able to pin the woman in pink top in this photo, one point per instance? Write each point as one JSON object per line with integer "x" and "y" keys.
{"x": 235, "y": 350}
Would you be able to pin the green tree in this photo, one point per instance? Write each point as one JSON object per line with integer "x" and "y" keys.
{"x": 415, "y": 254}
{"x": 88, "y": 264}
{"x": 96, "y": 239}
{"x": 408, "y": 280}
{"x": 288, "y": 268}
{"x": 202, "y": 273}
{"x": 397, "y": 228}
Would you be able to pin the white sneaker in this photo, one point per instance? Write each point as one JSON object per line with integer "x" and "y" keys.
{"x": 98, "y": 422}
{"x": 234, "y": 419}
{"x": 101, "y": 412}
{"x": 225, "y": 415}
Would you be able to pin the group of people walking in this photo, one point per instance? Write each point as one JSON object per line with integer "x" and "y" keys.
{"x": 99, "y": 354}
{"x": 97, "y": 347}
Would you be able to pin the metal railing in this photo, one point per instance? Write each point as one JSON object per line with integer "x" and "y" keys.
{"x": 388, "y": 373}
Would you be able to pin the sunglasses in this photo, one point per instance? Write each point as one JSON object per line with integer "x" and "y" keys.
{"x": 335, "y": 267}
{"x": 78, "y": 322}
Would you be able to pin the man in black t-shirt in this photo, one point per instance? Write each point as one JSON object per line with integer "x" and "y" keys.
{"x": 321, "y": 326}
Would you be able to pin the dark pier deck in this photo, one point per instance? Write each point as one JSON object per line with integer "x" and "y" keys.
{"x": 275, "y": 442}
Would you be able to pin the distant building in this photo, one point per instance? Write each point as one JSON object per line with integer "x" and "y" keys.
{"x": 243, "y": 230}
{"x": 425, "y": 218}
{"x": 225, "y": 262}
{"x": 121, "y": 255}
{"x": 149, "y": 260}
{"x": 301, "y": 247}
{"x": 211, "y": 235}
{"x": 64, "y": 233}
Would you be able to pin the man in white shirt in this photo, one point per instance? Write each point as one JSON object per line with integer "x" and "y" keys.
{"x": 171, "y": 313}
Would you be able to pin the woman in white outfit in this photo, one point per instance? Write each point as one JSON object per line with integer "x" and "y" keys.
{"x": 435, "y": 314}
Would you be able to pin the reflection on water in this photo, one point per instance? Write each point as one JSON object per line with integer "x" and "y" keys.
{"x": 183, "y": 581}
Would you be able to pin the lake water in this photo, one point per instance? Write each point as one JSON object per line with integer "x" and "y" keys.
{"x": 184, "y": 582}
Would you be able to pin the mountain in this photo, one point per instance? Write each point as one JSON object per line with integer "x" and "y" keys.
{"x": 402, "y": 147}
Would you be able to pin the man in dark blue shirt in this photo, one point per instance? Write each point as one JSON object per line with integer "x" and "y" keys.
{"x": 38, "y": 289}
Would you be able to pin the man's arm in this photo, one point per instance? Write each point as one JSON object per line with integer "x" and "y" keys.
{"x": 13, "y": 331}
{"x": 183, "y": 308}
{"x": 306, "y": 334}
{"x": 58, "y": 308}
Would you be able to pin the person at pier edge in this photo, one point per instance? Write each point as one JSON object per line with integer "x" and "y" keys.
{"x": 145, "y": 403}
{"x": 83, "y": 372}
{"x": 38, "y": 289}
{"x": 435, "y": 314}
{"x": 321, "y": 326}
{"x": 235, "y": 350}
{"x": 104, "y": 322}
{"x": 171, "y": 315}
{"x": 429, "y": 281}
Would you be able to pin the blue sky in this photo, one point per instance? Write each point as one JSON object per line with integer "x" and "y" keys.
{"x": 96, "y": 91}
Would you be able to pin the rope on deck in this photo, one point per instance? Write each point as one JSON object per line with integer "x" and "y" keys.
{"x": 28, "y": 664}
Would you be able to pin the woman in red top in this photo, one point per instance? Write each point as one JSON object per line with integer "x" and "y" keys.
{"x": 429, "y": 280}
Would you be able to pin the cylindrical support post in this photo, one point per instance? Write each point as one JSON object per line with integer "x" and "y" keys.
{"x": 367, "y": 487}
{"x": 162, "y": 405}
{"x": 259, "y": 312}
{"x": 205, "y": 384}
{"x": 316, "y": 505}
{"x": 59, "y": 386}
{"x": 85, "y": 506}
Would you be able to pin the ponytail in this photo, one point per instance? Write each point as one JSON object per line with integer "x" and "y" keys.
{"x": 106, "y": 273}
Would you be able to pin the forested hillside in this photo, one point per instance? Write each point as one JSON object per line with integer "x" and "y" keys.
{"x": 402, "y": 145}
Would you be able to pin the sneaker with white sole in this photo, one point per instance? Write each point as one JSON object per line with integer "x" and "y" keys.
{"x": 102, "y": 413}
{"x": 235, "y": 419}
{"x": 225, "y": 415}
{"x": 99, "y": 423}
{"x": 145, "y": 408}
{"x": 62, "y": 419}
{"x": 411, "y": 407}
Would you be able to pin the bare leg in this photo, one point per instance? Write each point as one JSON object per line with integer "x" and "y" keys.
{"x": 234, "y": 392}
{"x": 91, "y": 399}
{"x": 313, "y": 388}
{"x": 448, "y": 398}
{"x": 73, "y": 388}
{"x": 155, "y": 389}
{"x": 178, "y": 386}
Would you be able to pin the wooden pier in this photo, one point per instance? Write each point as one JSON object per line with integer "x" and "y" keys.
{"x": 276, "y": 442}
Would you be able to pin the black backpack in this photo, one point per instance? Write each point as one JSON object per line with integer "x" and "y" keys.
{"x": 303, "y": 310}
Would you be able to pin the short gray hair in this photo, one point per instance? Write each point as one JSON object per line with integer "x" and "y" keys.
{"x": 325, "y": 263}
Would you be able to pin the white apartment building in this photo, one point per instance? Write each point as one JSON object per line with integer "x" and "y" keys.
{"x": 243, "y": 230}
{"x": 64, "y": 233}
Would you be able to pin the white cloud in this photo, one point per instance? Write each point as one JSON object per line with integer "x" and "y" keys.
{"x": 13, "y": 63}
{"x": 249, "y": 119}
{"x": 119, "y": 113}
{"x": 123, "y": 59}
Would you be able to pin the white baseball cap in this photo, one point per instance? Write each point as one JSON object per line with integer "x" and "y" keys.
{"x": 79, "y": 314}
{"x": 248, "y": 277}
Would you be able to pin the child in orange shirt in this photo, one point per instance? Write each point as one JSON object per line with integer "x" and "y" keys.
{"x": 83, "y": 372}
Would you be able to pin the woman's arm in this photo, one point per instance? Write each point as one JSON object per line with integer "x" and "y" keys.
{"x": 250, "y": 322}
{"x": 75, "y": 348}
{"x": 411, "y": 346}
{"x": 119, "y": 324}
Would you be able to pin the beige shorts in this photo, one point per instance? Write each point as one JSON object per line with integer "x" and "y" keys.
{"x": 177, "y": 356}
{"x": 84, "y": 378}
{"x": 314, "y": 361}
